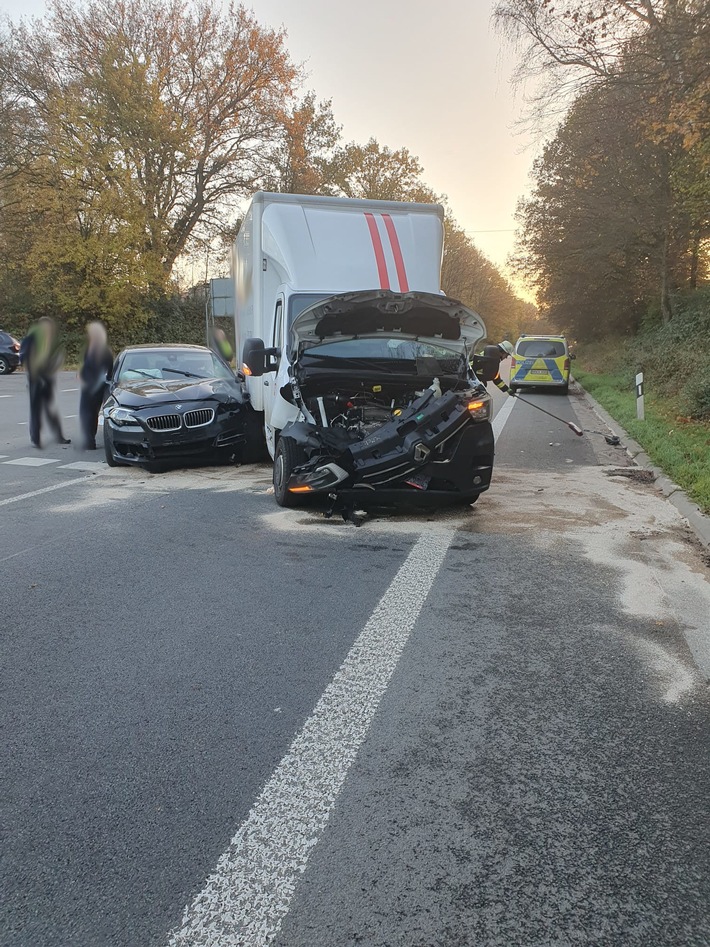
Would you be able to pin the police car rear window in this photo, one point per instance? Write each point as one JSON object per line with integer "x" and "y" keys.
{"x": 540, "y": 348}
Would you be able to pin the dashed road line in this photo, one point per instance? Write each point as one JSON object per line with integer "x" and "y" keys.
{"x": 64, "y": 390}
{"x": 36, "y": 493}
{"x": 247, "y": 897}
{"x": 30, "y": 462}
{"x": 84, "y": 465}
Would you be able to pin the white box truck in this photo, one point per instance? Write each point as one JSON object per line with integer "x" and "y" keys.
{"x": 310, "y": 270}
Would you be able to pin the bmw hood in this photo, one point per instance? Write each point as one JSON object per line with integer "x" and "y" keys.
{"x": 143, "y": 393}
{"x": 382, "y": 312}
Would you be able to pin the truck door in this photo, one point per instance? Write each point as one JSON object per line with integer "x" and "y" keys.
{"x": 270, "y": 380}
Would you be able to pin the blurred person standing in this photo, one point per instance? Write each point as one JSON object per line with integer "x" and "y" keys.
{"x": 220, "y": 344}
{"x": 97, "y": 364}
{"x": 42, "y": 356}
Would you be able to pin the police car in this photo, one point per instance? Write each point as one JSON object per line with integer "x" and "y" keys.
{"x": 540, "y": 360}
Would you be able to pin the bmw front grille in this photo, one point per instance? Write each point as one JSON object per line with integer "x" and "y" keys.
{"x": 199, "y": 418}
{"x": 164, "y": 422}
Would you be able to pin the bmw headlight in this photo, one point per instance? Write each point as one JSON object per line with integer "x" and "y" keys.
{"x": 121, "y": 417}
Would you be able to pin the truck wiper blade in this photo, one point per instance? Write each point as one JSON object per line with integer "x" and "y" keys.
{"x": 374, "y": 364}
{"x": 180, "y": 371}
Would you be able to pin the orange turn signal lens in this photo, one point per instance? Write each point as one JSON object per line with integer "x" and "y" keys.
{"x": 304, "y": 489}
{"x": 246, "y": 370}
{"x": 475, "y": 405}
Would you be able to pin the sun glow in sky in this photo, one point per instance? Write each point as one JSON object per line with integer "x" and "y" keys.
{"x": 433, "y": 77}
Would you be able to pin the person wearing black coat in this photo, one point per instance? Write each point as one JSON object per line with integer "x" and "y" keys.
{"x": 97, "y": 364}
{"x": 42, "y": 356}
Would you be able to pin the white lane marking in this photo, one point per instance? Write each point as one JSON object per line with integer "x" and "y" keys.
{"x": 248, "y": 895}
{"x": 502, "y": 416}
{"x": 30, "y": 462}
{"x": 84, "y": 465}
{"x": 23, "y": 423}
{"x": 71, "y": 415}
{"x": 5, "y": 396}
{"x": 36, "y": 493}
{"x": 3, "y": 456}
{"x": 69, "y": 389}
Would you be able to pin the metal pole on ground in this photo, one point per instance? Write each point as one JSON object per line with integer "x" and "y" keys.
{"x": 640, "y": 413}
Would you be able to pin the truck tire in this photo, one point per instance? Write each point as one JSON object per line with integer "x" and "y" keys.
{"x": 285, "y": 459}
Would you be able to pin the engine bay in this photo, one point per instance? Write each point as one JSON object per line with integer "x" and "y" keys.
{"x": 361, "y": 412}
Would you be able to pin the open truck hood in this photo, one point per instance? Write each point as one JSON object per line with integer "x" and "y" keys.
{"x": 377, "y": 312}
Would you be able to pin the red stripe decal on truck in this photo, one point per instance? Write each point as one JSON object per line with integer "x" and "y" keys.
{"x": 379, "y": 251}
{"x": 397, "y": 251}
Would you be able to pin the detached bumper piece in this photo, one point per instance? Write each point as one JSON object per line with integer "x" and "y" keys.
{"x": 432, "y": 453}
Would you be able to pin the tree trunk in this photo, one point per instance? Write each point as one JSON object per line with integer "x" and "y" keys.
{"x": 694, "y": 255}
{"x": 666, "y": 304}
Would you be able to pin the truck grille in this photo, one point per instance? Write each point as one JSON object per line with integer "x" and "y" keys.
{"x": 199, "y": 418}
{"x": 164, "y": 422}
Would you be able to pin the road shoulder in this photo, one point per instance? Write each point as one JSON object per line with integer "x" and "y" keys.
{"x": 698, "y": 522}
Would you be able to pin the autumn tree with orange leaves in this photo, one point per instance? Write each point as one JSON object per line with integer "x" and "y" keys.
{"x": 137, "y": 123}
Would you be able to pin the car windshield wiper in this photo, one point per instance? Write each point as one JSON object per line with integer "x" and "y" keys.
{"x": 138, "y": 371}
{"x": 180, "y": 371}
{"x": 374, "y": 364}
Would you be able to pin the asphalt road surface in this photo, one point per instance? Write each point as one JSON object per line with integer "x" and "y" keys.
{"x": 229, "y": 724}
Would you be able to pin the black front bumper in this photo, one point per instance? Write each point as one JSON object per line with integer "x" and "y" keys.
{"x": 147, "y": 446}
{"x": 430, "y": 457}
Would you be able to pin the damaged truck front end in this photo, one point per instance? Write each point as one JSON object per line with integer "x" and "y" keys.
{"x": 390, "y": 410}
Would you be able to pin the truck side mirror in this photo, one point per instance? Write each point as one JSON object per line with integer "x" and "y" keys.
{"x": 486, "y": 367}
{"x": 254, "y": 356}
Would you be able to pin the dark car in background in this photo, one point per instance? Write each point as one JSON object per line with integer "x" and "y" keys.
{"x": 9, "y": 353}
{"x": 172, "y": 402}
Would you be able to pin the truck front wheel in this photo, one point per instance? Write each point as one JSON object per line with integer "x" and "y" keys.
{"x": 285, "y": 459}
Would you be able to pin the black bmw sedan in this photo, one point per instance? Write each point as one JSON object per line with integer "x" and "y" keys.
{"x": 171, "y": 402}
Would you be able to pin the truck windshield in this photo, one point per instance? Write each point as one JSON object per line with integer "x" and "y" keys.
{"x": 301, "y": 301}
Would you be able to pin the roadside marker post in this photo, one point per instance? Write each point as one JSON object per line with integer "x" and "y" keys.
{"x": 640, "y": 413}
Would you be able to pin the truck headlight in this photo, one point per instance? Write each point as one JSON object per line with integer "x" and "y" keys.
{"x": 479, "y": 407}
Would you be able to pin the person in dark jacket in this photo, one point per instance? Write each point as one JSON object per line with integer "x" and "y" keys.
{"x": 501, "y": 351}
{"x": 97, "y": 365}
{"x": 42, "y": 357}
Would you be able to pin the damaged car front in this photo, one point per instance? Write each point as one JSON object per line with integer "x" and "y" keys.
{"x": 168, "y": 403}
{"x": 390, "y": 409}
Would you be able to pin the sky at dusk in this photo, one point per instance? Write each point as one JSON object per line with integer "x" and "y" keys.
{"x": 434, "y": 77}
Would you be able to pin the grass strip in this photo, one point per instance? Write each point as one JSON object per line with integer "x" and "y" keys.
{"x": 681, "y": 448}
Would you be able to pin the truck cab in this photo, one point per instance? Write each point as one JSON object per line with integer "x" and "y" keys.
{"x": 293, "y": 251}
